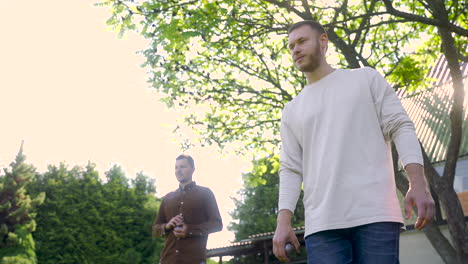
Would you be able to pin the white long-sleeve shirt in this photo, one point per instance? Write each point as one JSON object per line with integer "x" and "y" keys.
{"x": 336, "y": 141}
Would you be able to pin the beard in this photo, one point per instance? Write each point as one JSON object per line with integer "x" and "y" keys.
{"x": 313, "y": 60}
{"x": 182, "y": 178}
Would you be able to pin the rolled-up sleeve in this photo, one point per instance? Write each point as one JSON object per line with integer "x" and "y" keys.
{"x": 290, "y": 172}
{"x": 394, "y": 121}
{"x": 158, "y": 228}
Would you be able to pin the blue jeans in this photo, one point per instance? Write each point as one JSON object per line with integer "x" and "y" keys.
{"x": 366, "y": 244}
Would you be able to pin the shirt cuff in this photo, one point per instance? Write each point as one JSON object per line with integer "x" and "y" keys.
{"x": 194, "y": 231}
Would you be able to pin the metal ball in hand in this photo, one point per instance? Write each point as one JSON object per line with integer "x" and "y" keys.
{"x": 289, "y": 249}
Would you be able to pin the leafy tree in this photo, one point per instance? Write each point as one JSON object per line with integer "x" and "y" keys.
{"x": 236, "y": 67}
{"x": 17, "y": 213}
{"x": 131, "y": 210}
{"x": 84, "y": 220}
{"x": 144, "y": 185}
{"x": 257, "y": 209}
{"x": 116, "y": 177}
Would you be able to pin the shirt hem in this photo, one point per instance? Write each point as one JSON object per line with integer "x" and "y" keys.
{"x": 355, "y": 223}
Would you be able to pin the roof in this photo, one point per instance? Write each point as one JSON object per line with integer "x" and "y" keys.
{"x": 254, "y": 243}
{"x": 239, "y": 248}
{"x": 429, "y": 109}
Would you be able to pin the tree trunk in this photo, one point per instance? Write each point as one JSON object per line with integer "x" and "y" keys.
{"x": 347, "y": 50}
{"x": 451, "y": 205}
{"x": 456, "y": 222}
{"x": 432, "y": 231}
{"x": 448, "y": 196}
{"x": 440, "y": 243}
{"x": 443, "y": 186}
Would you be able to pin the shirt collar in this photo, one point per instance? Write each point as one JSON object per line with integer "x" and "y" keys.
{"x": 187, "y": 187}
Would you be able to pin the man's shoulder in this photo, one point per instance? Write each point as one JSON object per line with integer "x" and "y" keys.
{"x": 362, "y": 75}
{"x": 368, "y": 71}
{"x": 291, "y": 104}
{"x": 170, "y": 195}
{"x": 202, "y": 189}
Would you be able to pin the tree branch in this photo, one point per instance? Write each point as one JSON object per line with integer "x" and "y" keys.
{"x": 354, "y": 18}
{"x": 456, "y": 113}
{"x": 425, "y": 20}
{"x": 287, "y": 7}
{"x": 349, "y": 52}
{"x": 364, "y": 21}
{"x": 432, "y": 231}
{"x": 306, "y": 6}
{"x": 393, "y": 21}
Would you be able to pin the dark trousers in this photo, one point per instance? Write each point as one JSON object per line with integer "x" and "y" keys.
{"x": 376, "y": 243}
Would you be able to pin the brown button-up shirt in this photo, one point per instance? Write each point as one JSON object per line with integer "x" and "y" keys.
{"x": 198, "y": 207}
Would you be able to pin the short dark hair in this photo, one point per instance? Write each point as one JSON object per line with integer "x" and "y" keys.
{"x": 187, "y": 157}
{"x": 314, "y": 25}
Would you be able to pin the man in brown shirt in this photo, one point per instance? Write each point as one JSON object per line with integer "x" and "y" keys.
{"x": 186, "y": 217}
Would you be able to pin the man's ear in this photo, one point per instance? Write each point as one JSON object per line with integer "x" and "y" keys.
{"x": 324, "y": 42}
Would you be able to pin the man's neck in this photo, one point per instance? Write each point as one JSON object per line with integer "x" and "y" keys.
{"x": 319, "y": 73}
{"x": 183, "y": 184}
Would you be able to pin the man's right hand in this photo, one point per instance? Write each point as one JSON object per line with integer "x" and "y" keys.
{"x": 175, "y": 221}
{"x": 283, "y": 234}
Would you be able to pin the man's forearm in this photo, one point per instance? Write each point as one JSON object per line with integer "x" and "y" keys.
{"x": 289, "y": 189}
{"x": 416, "y": 176}
{"x": 159, "y": 230}
{"x": 205, "y": 228}
{"x": 284, "y": 217}
{"x": 418, "y": 195}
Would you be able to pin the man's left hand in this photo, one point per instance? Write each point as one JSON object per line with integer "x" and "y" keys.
{"x": 422, "y": 199}
{"x": 180, "y": 231}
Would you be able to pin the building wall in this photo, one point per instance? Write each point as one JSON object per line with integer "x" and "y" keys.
{"x": 460, "y": 183}
{"x": 463, "y": 196}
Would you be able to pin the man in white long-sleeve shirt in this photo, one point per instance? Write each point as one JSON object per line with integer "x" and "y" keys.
{"x": 336, "y": 138}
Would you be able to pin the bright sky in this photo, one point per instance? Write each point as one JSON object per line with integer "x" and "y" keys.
{"x": 75, "y": 92}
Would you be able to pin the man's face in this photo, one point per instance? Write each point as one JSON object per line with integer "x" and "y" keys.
{"x": 183, "y": 171}
{"x": 304, "y": 45}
